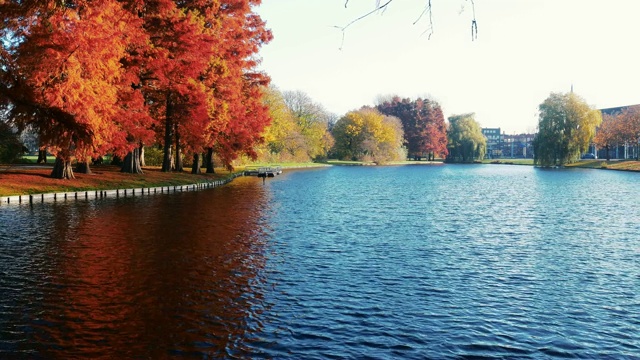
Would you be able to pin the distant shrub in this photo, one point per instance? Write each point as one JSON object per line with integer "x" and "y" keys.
{"x": 153, "y": 156}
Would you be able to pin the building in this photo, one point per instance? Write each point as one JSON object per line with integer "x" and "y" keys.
{"x": 517, "y": 146}
{"x": 494, "y": 142}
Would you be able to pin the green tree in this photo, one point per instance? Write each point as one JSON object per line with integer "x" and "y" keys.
{"x": 367, "y": 135}
{"x": 465, "y": 140}
{"x": 566, "y": 127}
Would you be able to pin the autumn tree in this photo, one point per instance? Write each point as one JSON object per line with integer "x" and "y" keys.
{"x": 608, "y": 134}
{"x": 423, "y": 123}
{"x": 368, "y": 135}
{"x": 465, "y": 140}
{"x": 282, "y": 137}
{"x": 312, "y": 121}
{"x": 299, "y": 129}
{"x": 628, "y": 122}
{"x": 566, "y": 127}
{"x": 62, "y": 74}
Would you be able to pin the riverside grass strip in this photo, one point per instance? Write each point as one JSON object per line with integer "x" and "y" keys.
{"x": 101, "y": 194}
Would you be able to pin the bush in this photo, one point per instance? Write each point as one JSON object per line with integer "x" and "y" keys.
{"x": 153, "y": 156}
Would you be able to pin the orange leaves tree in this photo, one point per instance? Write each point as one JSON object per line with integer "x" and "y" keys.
{"x": 608, "y": 134}
{"x": 63, "y": 73}
{"x": 622, "y": 127}
{"x": 98, "y": 76}
{"x": 199, "y": 77}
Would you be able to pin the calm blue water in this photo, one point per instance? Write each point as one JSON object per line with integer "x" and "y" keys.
{"x": 406, "y": 262}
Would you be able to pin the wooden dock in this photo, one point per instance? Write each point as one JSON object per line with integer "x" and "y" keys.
{"x": 264, "y": 171}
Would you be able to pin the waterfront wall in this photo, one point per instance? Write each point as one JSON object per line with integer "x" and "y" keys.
{"x": 101, "y": 194}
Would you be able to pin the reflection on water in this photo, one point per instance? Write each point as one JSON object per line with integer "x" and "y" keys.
{"x": 370, "y": 262}
{"x": 137, "y": 277}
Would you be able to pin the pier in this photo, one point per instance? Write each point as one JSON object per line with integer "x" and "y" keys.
{"x": 264, "y": 171}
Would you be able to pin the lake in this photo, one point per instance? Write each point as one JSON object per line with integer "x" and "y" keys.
{"x": 412, "y": 262}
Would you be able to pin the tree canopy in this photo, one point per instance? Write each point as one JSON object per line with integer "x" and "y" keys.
{"x": 92, "y": 76}
{"x": 466, "y": 142}
{"x": 299, "y": 129}
{"x": 423, "y": 123}
{"x": 368, "y": 135}
{"x": 566, "y": 126}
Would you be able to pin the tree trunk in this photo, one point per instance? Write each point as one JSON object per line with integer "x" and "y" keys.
{"x": 62, "y": 168}
{"x": 209, "y": 161}
{"x": 131, "y": 163}
{"x": 179, "y": 165}
{"x": 42, "y": 156}
{"x": 168, "y": 132}
{"x": 141, "y": 148}
{"x": 83, "y": 168}
{"x": 195, "y": 168}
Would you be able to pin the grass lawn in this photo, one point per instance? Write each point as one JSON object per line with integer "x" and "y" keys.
{"x": 36, "y": 180}
{"x": 626, "y": 165}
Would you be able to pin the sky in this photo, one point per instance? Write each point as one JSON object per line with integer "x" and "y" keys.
{"x": 525, "y": 50}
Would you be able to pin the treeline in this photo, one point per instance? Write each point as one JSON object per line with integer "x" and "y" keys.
{"x": 92, "y": 77}
{"x": 395, "y": 129}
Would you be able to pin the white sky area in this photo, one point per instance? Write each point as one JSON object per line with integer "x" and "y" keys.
{"x": 525, "y": 50}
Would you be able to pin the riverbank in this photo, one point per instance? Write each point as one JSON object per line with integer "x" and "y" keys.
{"x": 35, "y": 179}
{"x": 621, "y": 165}
{"x": 27, "y": 180}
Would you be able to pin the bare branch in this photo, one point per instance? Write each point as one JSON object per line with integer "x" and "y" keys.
{"x": 474, "y": 23}
{"x": 427, "y": 9}
{"x": 344, "y": 28}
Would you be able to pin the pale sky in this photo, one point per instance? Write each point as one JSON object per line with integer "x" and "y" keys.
{"x": 525, "y": 50}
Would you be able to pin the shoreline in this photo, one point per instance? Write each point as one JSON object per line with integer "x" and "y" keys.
{"x": 107, "y": 181}
{"x": 113, "y": 193}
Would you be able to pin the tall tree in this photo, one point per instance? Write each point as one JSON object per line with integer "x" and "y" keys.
{"x": 566, "y": 127}
{"x": 424, "y": 125}
{"x": 466, "y": 142}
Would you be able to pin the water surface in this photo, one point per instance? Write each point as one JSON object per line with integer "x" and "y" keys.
{"x": 347, "y": 262}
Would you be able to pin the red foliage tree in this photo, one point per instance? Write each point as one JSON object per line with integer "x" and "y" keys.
{"x": 64, "y": 75}
{"x": 423, "y": 123}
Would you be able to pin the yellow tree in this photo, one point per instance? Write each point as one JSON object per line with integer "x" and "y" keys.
{"x": 566, "y": 127}
{"x": 282, "y": 140}
{"x": 367, "y": 135}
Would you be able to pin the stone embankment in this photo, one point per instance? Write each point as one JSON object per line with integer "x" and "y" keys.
{"x": 101, "y": 194}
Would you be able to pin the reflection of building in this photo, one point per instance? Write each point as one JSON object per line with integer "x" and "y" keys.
{"x": 517, "y": 146}
{"x": 494, "y": 142}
